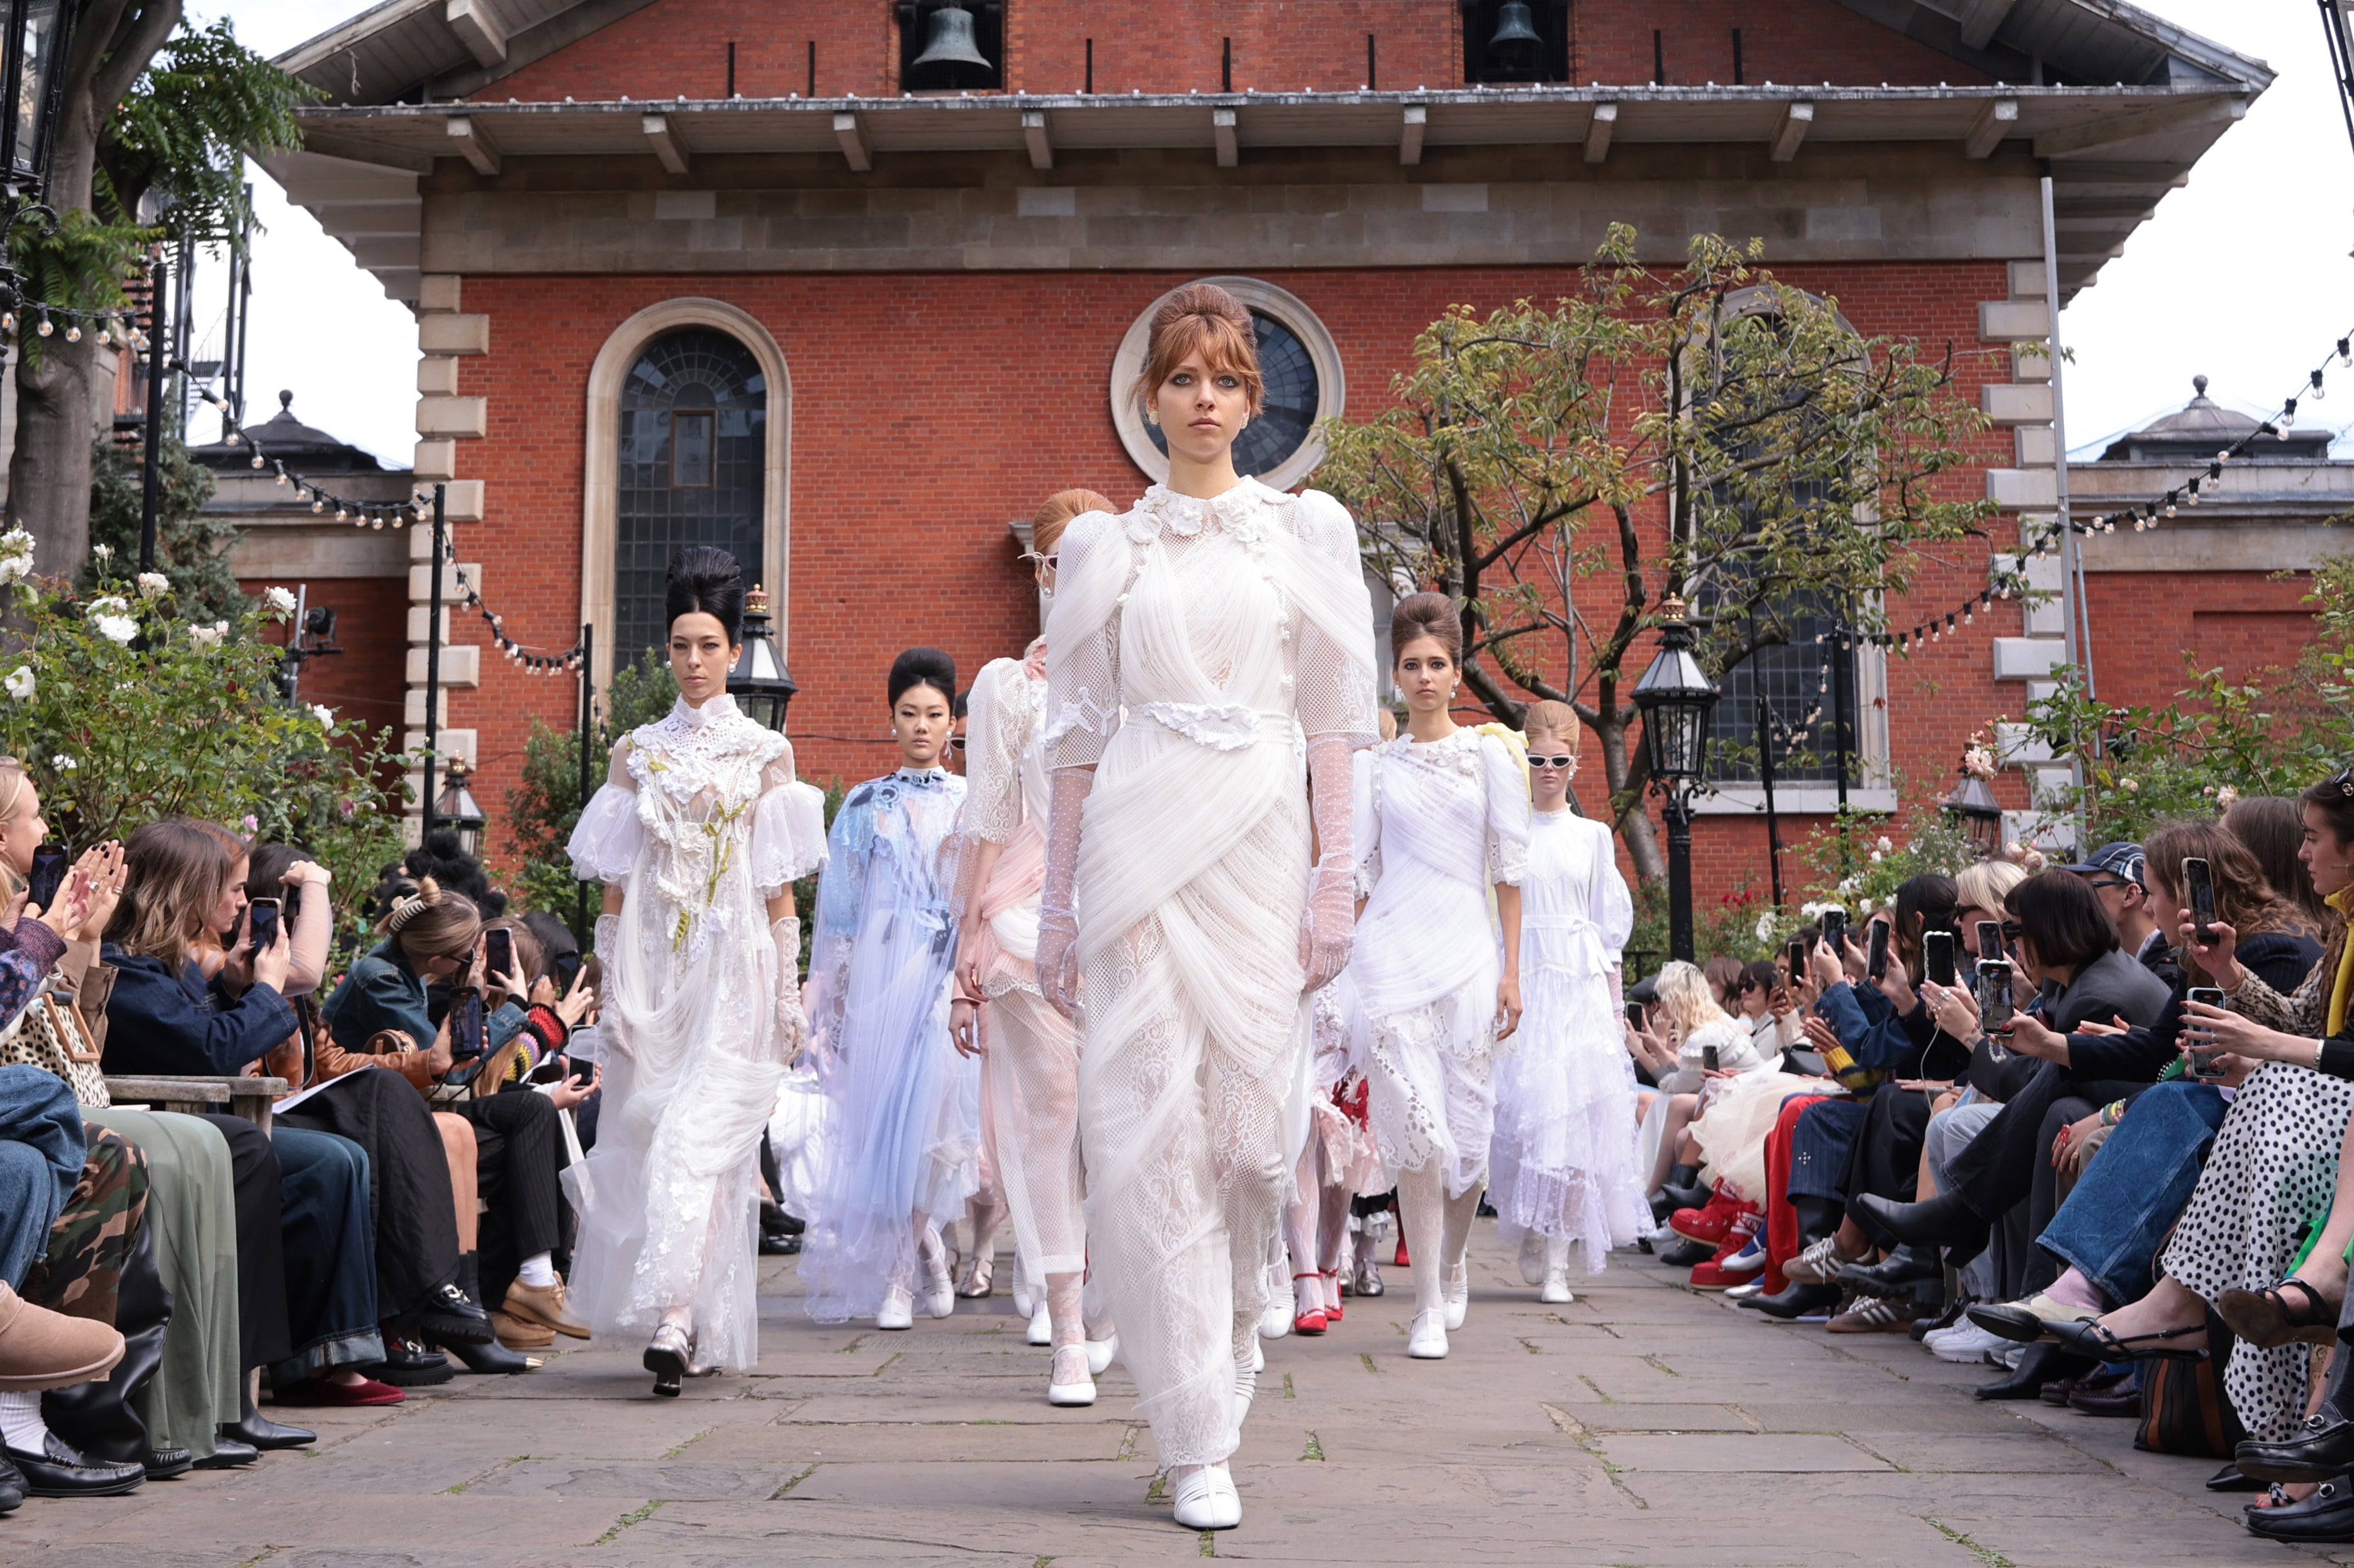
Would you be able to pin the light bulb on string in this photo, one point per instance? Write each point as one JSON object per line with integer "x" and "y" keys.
{"x": 73, "y": 333}
{"x": 257, "y": 460}
{"x": 2318, "y": 393}
{"x": 318, "y": 506}
{"x": 46, "y": 327}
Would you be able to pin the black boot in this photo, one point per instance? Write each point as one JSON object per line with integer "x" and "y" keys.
{"x": 1685, "y": 1253}
{"x": 256, "y": 1430}
{"x": 12, "y": 1487}
{"x": 1906, "y": 1268}
{"x": 95, "y": 1420}
{"x": 2040, "y": 1364}
{"x": 1682, "y": 1191}
{"x": 1942, "y": 1221}
{"x": 449, "y": 1313}
{"x": 1800, "y": 1299}
{"x": 487, "y": 1358}
{"x": 227, "y": 1455}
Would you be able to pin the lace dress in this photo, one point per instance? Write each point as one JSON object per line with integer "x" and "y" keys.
{"x": 1436, "y": 825}
{"x": 1563, "y": 1162}
{"x": 1192, "y": 648}
{"x": 700, "y": 822}
{"x": 1030, "y": 1066}
{"x": 903, "y": 1111}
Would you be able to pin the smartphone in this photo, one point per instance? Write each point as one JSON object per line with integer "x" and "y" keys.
{"x": 1994, "y": 994}
{"x": 1797, "y": 960}
{"x": 1937, "y": 956}
{"x": 2198, "y": 885}
{"x": 499, "y": 945}
{"x": 48, "y": 875}
{"x": 1835, "y": 931}
{"x": 1875, "y": 963}
{"x": 1990, "y": 940}
{"x": 567, "y": 968}
{"x": 1708, "y": 1057}
{"x": 262, "y": 920}
{"x": 469, "y": 1035}
{"x": 2203, "y": 1063}
{"x": 1634, "y": 1016}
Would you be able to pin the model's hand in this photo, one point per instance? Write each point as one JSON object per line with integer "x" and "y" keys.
{"x": 964, "y": 1031}
{"x": 1507, "y": 1006}
{"x": 1332, "y": 927}
{"x": 1058, "y": 961}
{"x": 968, "y": 971}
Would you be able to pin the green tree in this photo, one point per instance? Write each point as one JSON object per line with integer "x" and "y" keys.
{"x": 1710, "y": 432}
{"x": 192, "y": 546}
{"x": 144, "y": 112}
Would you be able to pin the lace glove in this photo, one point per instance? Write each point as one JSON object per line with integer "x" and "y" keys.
{"x": 792, "y": 1023}
{"x": 1331, "y": 921}
{"x": 1059, "y": 927}
{"x": 607, "y": 945}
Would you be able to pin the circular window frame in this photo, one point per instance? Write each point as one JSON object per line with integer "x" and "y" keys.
{"x": 1332, "y": 383}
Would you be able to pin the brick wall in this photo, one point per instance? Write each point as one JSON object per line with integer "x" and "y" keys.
{"x": 1278, "y": 46}
{"x": 364, "y": 681}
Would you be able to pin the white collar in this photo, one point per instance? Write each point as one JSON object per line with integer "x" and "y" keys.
{"x": 717, "y": 709}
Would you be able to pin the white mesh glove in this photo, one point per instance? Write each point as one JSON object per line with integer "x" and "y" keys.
{"x": 607, "y": 945}
{"x": 1331, "y": 919}
{"x": 792, "y": 1023}
{"x": 1058, "y": 927}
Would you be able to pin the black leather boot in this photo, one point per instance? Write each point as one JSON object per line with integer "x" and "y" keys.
{"x": 1942, "y": 1221}
{"x": 491, "y": 1358}
{"x": 1682, "y": 1191}
{"x": 258, "y": 1430}
{"x": 2040, "y": 1364}
{"x": 95, "y": 1420}
{"x": 1797, "y": 1299}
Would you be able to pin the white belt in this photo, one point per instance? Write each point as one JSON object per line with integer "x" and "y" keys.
{"x": 1221, "y": 727}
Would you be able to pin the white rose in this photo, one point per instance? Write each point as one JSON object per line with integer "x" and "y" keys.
{"x": 2129, "y": 786}
{"x": 1882, "y": 845}
{"x": 154, "y": 584}
{"x": 116, "y": 628}
{"x": 1766, "y": 927}
{"x": 20, "y": 682}
{"x": 2225, "y": 796}
{"x": 208, "y": 637}
{"x": 277, "y": 601}
{"x": 14, "y": 570}
{"x": 63, "y": 763}
{"x": 112, "y": 604}
{"x": 102, "y": 553}
{"x": 324, "y": 714}
{"x": 1877, "y": 856}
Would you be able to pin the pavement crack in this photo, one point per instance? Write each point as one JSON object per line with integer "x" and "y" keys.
{"x": 1661, "y": 1363}
{"x": 484, "y": 1473}
{"x": 1126, "y": 1446}
{"x": 1991, "y": 1558}
{"x": 267, "y": 1554}
{"x": 1209, "y": 1544}
{"x": 805, "y": 1472}
{"x": 674, "y": 1452}
{"x": 886, "y": 1366}
{"x": 1596, "y": 1388}
{"x": 1531, "y": 1347}
{"x": 1564, "y": 1420}
{"x": 637, "y": 1515}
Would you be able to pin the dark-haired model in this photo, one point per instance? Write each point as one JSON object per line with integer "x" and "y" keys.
{"x": 1208, "y": 654}
{"x": 904, "y": 1108}
{"x": 697, "y": 835}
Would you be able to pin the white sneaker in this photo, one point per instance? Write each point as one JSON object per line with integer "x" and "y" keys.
{"x": 1965, "y": 1343}
{"x": 1427, "y": 1339}
{"x": 1099, "y": 1354}
{"x": 1206, "y": 1499}
{"x": 1455, "y": 1291}
{"x": 1556, "y": 1288}
{"x": 1532, "y": 1259}
{"x": 897, "y": 1311}
{"x": 1065, "y": 1390}
{"x": 1042, "y": 1327}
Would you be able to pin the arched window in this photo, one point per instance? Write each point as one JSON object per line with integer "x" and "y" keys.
{"x": 692, "y": 454}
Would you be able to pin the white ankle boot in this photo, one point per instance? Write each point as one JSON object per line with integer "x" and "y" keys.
{"x": 1557, "y": 1286}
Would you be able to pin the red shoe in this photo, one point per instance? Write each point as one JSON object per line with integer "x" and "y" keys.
{"x": 1333, "y": 1304}
{"x": 1308, "y": 1319}
{"x": 1716, "y": 1274}
{"x": 1710, "y": 1222}
{"x": 1401, "y": 1260}
{"x": 316, "y": 1391}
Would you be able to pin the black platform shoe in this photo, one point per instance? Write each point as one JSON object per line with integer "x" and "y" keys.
{"x": 408, "y": 1364}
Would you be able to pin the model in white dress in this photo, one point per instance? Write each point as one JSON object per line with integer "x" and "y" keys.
{"x": 698, "y": 835}
{"x": 1563, "y": 1164}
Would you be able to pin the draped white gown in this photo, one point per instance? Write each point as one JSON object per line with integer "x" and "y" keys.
{"x": 1192, "y": 648}
{"x": 1563, "y": 1159}
{"x": 1437, "y": 825}
{"x": 700, "y": 822}
{"x": 903, "y": 1107}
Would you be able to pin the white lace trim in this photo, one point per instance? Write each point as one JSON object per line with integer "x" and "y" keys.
{"x": 1221, "y": 727}
{"x": 1081, "y": 712}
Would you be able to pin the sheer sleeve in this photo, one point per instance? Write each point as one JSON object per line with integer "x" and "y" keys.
{"x": 787, "y": 827}
{"x": 1612, "y": 908}
{"x": 605, "y": 844}
{"x": 1332, "y": 648}
{"x": 1506, "y": 782}
{"x": 997, "y": 732}
{"x": 1083, "y": 707}
{"x": 1365, "y": 818}
{"x": 841, "y": 894}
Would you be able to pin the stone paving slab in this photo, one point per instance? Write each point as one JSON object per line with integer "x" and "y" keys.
{"x": 1642, "y": 1424}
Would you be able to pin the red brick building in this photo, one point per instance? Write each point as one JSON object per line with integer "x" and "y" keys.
{"x": 756, "y": 272}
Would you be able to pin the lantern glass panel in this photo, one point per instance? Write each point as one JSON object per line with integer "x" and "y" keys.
{"x": 36, "y": 47}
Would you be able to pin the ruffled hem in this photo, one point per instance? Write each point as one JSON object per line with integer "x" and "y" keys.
{"x": 605, "y": 845}
{"x": 788, "y": 836}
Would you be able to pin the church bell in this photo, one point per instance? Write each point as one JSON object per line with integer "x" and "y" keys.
{"x": 949, "y": 41}
{"x": 1516, "y": 41}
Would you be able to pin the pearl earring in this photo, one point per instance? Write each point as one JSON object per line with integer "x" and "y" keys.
{"x": 1151, "y": 415}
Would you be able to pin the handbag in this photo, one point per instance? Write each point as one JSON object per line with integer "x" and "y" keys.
{"x": 2184, "y": 1406}
{"x": 50, "y": 1035}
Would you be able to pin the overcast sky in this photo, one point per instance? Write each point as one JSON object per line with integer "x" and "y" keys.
{"x": 2244, "y": 274}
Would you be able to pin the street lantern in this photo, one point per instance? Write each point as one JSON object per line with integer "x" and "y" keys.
{"x": 759, "y": 683}
{"x": 32, "y": 77}
{"x": 459, "y": 811}
{"x": 1975, "y": 810}
{"x": 1678, "y": 700}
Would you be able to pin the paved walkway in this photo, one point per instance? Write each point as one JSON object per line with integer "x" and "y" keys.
{"x": 1644, "y": 1424}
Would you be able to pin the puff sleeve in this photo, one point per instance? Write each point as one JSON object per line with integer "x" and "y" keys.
{"x": 605, "y": 843}
{"x": 1506, "y": 780}
{"x": 787, "y": 827}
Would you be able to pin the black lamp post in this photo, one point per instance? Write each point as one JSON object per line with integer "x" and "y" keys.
{"x": 1972, "y": 805}
{"x": 1677, "y": 699}
{"x": 759, "y": 683}
{"x": 459, "y": 811}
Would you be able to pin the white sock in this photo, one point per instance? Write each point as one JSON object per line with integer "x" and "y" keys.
{"x": 20, "y": 1422}
{"x": 536, "y": 1271}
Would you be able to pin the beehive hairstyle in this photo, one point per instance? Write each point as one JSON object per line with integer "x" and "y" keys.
{"x": 1055, "y": 514}
{"x": 1556, "y": 719}
{"x": 1431, "y": 615}
{"x": 706, "y": 579}
{"x": 1203, "y": 316}
{"x": 923, "y": 667}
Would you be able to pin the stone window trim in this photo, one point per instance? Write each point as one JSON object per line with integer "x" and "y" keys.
{"x": 1127, "y": 364}
{"x": 600, "y": 474}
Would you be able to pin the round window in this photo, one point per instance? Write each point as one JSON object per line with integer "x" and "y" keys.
{"x": 1299, "y": 363}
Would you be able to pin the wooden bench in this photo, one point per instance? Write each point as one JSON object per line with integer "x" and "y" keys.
{"x": 247, "y": 1097}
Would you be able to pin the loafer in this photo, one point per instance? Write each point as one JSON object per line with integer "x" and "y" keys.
{"x": 1686, "y": 1254}
{"x": 320, "y": 1393}
{"x": 449, "y": 1313}
{"x": 227, "y": 1455}
{"x": 1797, "y": 1301}
{"x": 2230, "y": 1479}
{"x": 549, "y": 1307}
{"x": 58, "y": 1471}
{"x": 408, "y": 1364}
{"x": 2108, "y": 1396}
{"x": 12, "y": 1487}
{"x": 2321, "y": 1449}
{"x": 163, "y": 1464}
{"x": 517, "y": 1334}
{"x": 2327, "y": 1515}
{"x": 258, "y": 1430}
{"x": 2025, "y": 1321}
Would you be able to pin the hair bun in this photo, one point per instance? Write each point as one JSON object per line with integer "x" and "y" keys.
{"x": 1431, "y": 615}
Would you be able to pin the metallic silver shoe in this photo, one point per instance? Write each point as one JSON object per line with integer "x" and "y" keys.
{"x": 667, "y": 1355}
{"x": 1369, "y": 1276}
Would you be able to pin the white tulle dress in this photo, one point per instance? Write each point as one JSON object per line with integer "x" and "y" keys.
{"x": 699, "y": 823}
{"x": 1194, "y": 648}
{"x": 1030, "y": 1072}
{"x": 1437, "y": 825}
{"x": 903, "y": 1107}
{"x": 1562, "y": 1164}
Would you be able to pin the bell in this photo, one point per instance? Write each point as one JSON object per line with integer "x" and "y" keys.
{"x": 950, "y": 42}
{"x": 1517, "y": 41}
